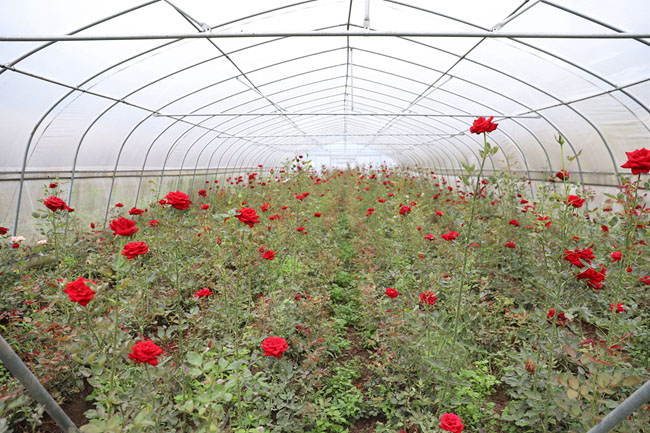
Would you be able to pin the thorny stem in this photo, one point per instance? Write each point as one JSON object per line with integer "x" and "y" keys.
{"x": 461, "y": 285}
{"x": 558, "y": 292}
{"x": 625, "y": 262}
{"x": 116, "y": 326}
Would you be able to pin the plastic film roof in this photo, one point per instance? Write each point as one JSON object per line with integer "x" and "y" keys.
{"x": 400, "y": 80}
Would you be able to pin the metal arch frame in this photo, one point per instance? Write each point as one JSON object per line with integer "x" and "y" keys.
{"x": 95, "y": 23}
{"x": 293, "y": 88}
{"x": 531, "y": 110}
{"x": 335, "y": 102}
{"x": 586, "y": 119}
{"x": 312, "y": 33}
{"x": 374, "y": 92}
{"x": 243, "y": 74}
{"x": 514, "y": 142}
{"x": 247, "y": 47}
{"x": 337, "y": 120}
{"x": 214, "y": 102}
{"x": 284, "y": 78}
{"x": 463, "y": 97}
{"x": 163, "y": 106}
{"x": 452, "y": 165}
{"x": 439, "y": 121}
{"x": 575, "y": 110}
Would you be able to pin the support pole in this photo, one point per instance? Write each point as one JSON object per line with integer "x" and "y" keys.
{"x": 632, "y": 403}
{"x": 20, "y": 371}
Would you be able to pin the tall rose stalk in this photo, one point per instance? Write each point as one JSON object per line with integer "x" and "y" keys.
{"x": 559, "y": 287}
{"x": 483, "y": 126}
{"x": 639, "y": 162}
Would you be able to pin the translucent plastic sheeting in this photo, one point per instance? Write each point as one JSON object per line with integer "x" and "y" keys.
{"x": 123, "y": 109}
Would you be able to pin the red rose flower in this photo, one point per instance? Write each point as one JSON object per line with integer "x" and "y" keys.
{"x": 154, "y": 223}
{"x": 301, "y": 229}
{"x": 274, "y": 346}
{"x": 619, "y": 307}
{"x": 616, "y": 256}
{"x": 638, "y": 161}
{"x": 574, "y": 257}
{"x": 482, "y": 125}
{"x": 205, "y": 206}
{"x": 53, "y": 185}
{"x": 248, "y": 216}
{"x": 428, "y": 298}
{"x": 123, "y": 227}
{"x": 79, "y": 292}
{"x": 317, "y": 214}
{"x": 203, "y": 292}
{"x": 391, "y": 293}
{"x": 145, "y": 351}
{"x": 136, "y": 211}
{"x": 133, "y": 249}
{"x": 514, "y": 223}
{"x": 55, "y": 203}
{"x": 644, "y": 280}
{"x": 510, "y": 245}
{"x": 429, "y": 237}
{"x": 3, "y": 230}
{"x": 604, "y": 228}
{"x": 449, "y": 236}
{"x": 439, "y": 213}
{"x": 562, "y": 174}
{"x": 265, "y": 207}
{"x": 268, "y": 255}
{"x": 561, "y": 318}
{"x": 178, "y": 200}
{"x": 404, "y": 210}
{"x": 15, "y": 245}
{"x": 595, "y": 277}
{"x": 119, "y": 205}
{"x": 450, "y": 421}
{"x": 576, "y": 201}
{"x": 203, "y": 193}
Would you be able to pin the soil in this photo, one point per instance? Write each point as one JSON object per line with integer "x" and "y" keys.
{"x": 500, "y": 399}
{"x": 365, "y": 425}
{"x": 75, "y": 406}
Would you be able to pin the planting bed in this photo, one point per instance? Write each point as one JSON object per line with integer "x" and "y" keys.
{"x": 401, "y": 295}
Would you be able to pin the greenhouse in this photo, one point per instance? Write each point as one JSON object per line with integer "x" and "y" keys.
{"x": 325, "y": 216}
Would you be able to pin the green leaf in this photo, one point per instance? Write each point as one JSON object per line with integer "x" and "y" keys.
{"x": 573, "y": 382}
{"x": 569, "y": 351}
{"x": 571, "y": 158}
{"x": 631, "y": 381}
{"x": 194, "y": 358}
{"x": 93, "y": 427}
